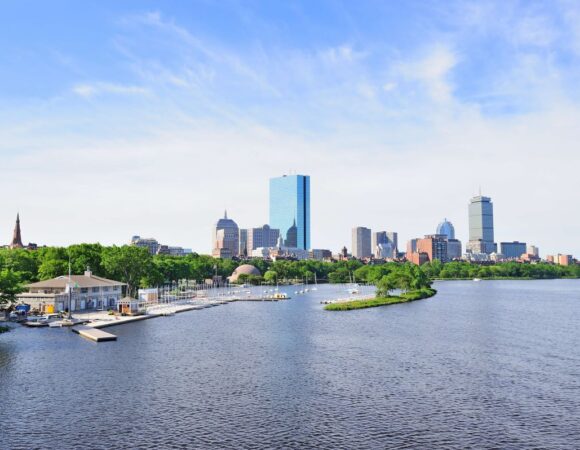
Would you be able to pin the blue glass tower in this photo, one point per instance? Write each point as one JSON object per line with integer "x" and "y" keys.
{"x": 290, "y": 209}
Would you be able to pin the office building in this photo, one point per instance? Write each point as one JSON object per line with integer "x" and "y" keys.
{"x": 513, "y": 250}
{"x": 446, "y": 228}
{"x": 481, "y": 233}
{"x": 434, "y": 246}
{"x": 361, "y": 242}
{"x": 152, "y": 245}
{"x": 226, "y": 238}
{"x": 564, "y": 260}
{"x": 260, "y": 237}
{"x": 384, "y": 244}
{"x": 533, "y": 250}
{"x": 290, "y": 209}
{"x": 454, "y": 249}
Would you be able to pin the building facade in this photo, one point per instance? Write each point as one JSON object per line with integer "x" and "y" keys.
{"x": 361, "y": 242}
{"x": 88, "y": 292}
{"x": 226, "y": 238}
{"x": 260, "y": 237}
{"x": 481, "y": 231}
{"x": 513, "y": 250}
{"x": 384, "y": 244}
{"x": 290, "y": 209}
{"x": 152, "y": 245}
{"x": 454, "y": 249}
{"x": 434, "y": 246}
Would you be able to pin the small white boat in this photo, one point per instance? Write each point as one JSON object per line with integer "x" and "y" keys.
{"x": 477, "y": 279}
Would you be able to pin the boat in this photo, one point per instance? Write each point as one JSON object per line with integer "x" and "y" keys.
{"x": 36, "y": 322}
{"x": 477, "y": 279}
{"x": 66, "y": 322}
{"x": 278, "y": 296}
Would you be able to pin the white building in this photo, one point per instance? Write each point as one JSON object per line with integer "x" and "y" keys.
{"x": 88, "y": 292}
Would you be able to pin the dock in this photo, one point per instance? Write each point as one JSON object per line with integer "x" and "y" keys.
{"x": 94, "y": 334}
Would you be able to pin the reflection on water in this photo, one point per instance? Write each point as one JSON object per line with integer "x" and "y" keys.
{"x": 483, "y": 365}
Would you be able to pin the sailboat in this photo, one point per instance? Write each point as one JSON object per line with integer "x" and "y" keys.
{"x": 315, "y": 288}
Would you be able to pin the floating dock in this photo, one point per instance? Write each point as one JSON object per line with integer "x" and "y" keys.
{"x": 94, "y": 334}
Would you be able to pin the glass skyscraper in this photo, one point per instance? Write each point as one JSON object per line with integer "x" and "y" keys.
{"x": 290, "y": 209}
{"x": 481, "y": 239}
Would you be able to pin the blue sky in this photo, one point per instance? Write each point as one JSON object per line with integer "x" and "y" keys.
{"x": 151, "y": 117}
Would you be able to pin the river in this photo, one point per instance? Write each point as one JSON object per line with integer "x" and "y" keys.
{"x": 494, "y": 364}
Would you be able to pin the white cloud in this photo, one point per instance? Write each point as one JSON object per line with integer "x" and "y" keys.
{"x": 89, "y": 90}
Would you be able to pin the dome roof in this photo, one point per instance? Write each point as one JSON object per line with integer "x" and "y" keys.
{"x": 246, "y": 269}
{"x": 447, "y": 229}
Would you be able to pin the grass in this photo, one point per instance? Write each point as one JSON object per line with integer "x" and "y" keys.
{"x": 382, "y": 301}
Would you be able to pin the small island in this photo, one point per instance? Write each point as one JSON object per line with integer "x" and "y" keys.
{"x": 410, "y": 279}
{"x": 382, "y": 301}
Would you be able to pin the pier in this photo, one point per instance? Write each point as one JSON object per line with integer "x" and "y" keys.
{"x": 94, "y": 334}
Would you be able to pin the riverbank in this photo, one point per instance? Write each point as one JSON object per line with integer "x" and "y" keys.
{"x": 382, "y": 301}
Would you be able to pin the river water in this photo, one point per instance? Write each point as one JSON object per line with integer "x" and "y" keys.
{"x": 494, "y": 364}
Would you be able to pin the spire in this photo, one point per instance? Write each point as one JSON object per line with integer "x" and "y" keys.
{"x": 225, "y": 213}
{"x": 17, "y": 237}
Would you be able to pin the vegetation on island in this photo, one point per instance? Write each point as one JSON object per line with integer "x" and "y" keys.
{"x": 136, "y": 267}
{"x": 409, "y": 278}
{"x": 382, "y": 301}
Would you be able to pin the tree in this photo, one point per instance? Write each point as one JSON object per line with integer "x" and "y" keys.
{"x": 83, "y": 256}
{"x": 54, "y": 262}
{"x": 129, "y": 264}
{"x": 271, "y": 277}
{"x": 10, "y": 285}
{"x": 386, "y": 285}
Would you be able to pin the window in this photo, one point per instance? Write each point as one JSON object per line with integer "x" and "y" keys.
{"x": 95, "y": 289}
{"x": 84, "y": 290}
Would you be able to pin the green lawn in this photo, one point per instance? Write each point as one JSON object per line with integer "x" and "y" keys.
{"x": 381, "y": 301}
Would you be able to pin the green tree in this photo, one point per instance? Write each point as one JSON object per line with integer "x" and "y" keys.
{"x": 129, "y": 264}
{"x": 271, "y": 277}
{"x": 54, "y": 262}
{"x": 10, "y": 285}
{"x": 386, "y": 285}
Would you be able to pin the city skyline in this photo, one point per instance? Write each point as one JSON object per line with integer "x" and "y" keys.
{"x": 113, "y": 115}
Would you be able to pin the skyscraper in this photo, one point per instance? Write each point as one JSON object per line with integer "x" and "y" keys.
{"x": 384, "y": 244}
{"x": 447, "y": 229}
{"x": 290, "y": 209}
{"x": 226, "y": 238}
{"x": 361, "y": 242}
{"x": 481, "y": 238}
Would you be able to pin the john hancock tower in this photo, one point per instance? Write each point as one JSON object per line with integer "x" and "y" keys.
{"x": 290, "y": 209}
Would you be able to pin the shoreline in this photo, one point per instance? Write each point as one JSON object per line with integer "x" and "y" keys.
{"x": 406, "y": 297}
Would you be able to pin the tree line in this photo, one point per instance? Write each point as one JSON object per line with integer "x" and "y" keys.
{"x": 136, "y": 267}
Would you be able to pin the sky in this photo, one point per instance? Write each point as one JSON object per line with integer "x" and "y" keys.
{"x": 122, "y": 118}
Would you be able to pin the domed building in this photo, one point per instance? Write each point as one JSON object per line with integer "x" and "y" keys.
{"x": 245, "y": 269}
{"x": 446, "y": 228}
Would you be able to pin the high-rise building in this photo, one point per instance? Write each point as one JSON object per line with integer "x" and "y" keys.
{"x": 16, "y": 236}
{"x": 264, "y": 236}
{"x": 361, "y": 242}
{"x": 446, "y": 228}
{"x": 384, "y": 244}
{"x": 290, "y": 209}
{"x": 513, "y": 250}
{"x": 481, "y": 239}
{"x": 226, "y": 238}
{"x": 454, "y": 249}
{"x": 435, "y": 246}
{"x": 533, "y": 250}
{"x": 152, "y": 245}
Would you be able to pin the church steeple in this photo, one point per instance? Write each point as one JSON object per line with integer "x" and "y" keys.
{"x": 17, "y": 237}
